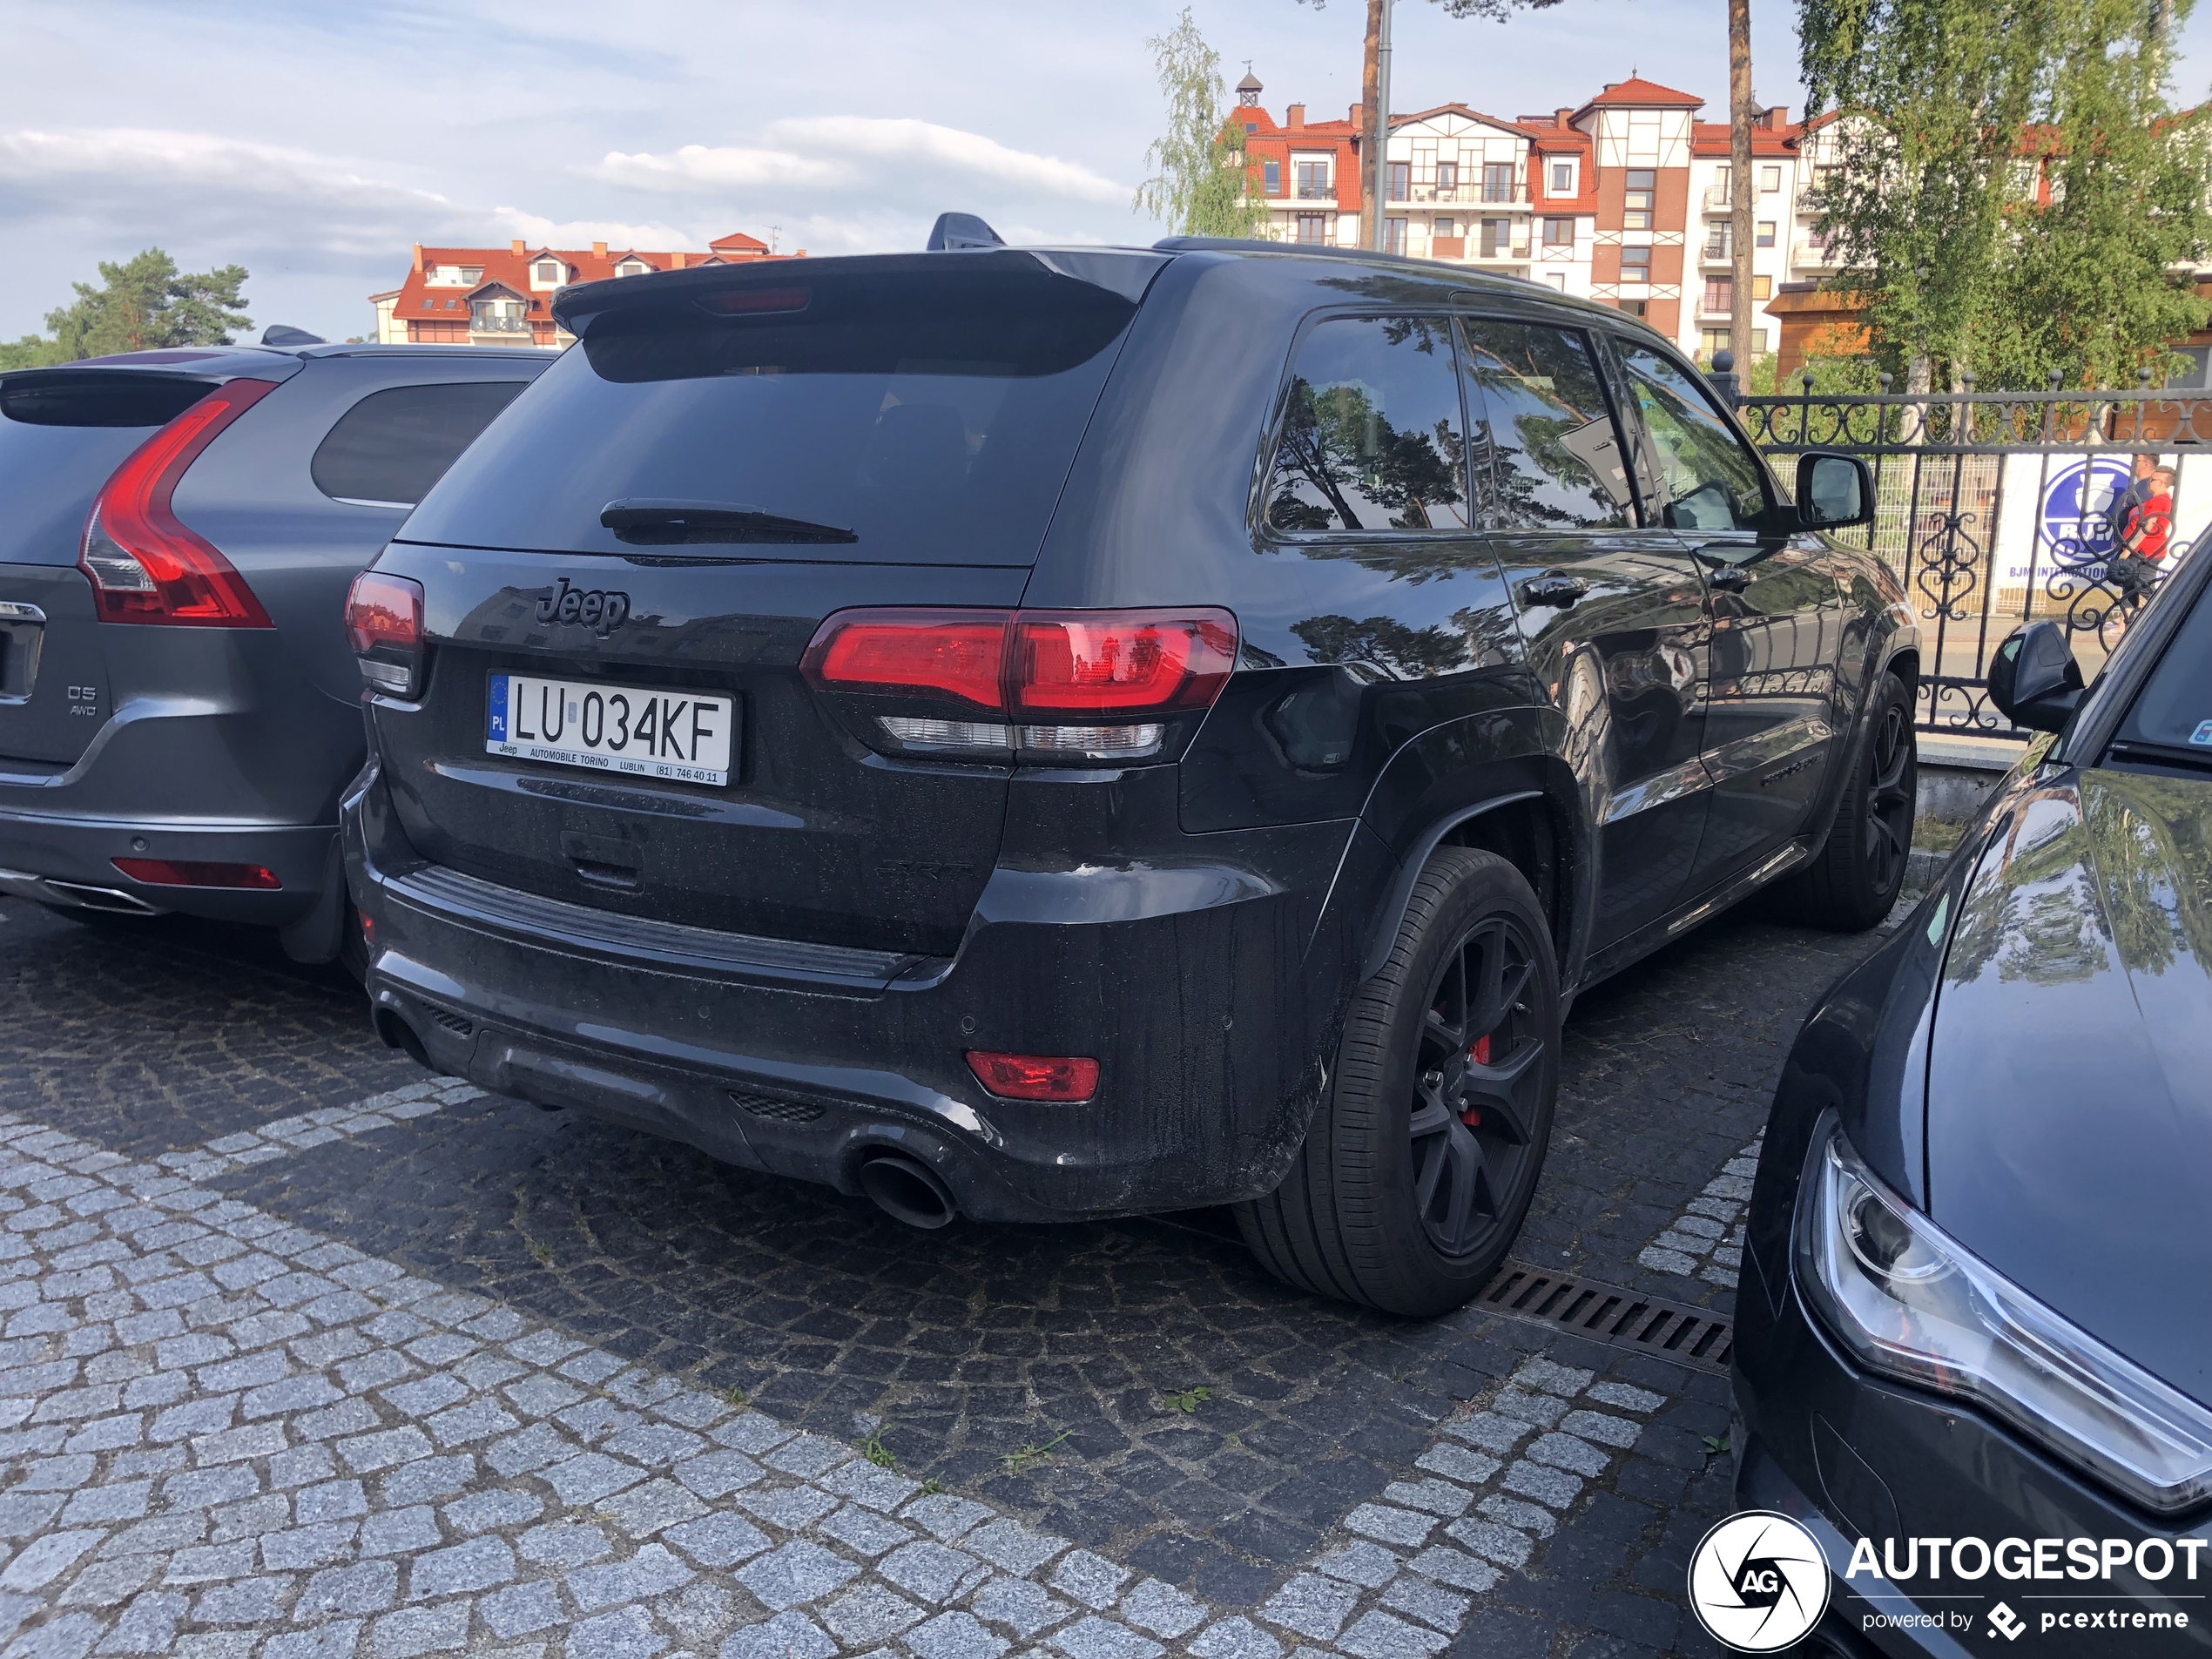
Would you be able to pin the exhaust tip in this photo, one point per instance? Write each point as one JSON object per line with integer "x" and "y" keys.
{"x": 906, "y": 1190}
{"x": 396, "y": 1033}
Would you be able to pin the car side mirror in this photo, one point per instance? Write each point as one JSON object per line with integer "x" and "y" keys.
{"x": 1833, "y": 492}
{"x": 2034, "y": 679}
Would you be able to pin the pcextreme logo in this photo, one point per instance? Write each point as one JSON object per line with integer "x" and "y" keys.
{"x": 1758, "y": 1582}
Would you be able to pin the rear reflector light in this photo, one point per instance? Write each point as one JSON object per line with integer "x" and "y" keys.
{"x": 384, "y": 622}
{"x": 1091, "y": 666}
{"x": 1034, "y": 1076}
{"x": 191, "y": 873}
{"x": 144, "y": 565}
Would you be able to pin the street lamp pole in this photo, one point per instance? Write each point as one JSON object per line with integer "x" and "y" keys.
{"x": 1379, "y": 128}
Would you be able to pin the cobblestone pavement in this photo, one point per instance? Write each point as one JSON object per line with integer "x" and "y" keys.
{"x": 303, "y": 1354}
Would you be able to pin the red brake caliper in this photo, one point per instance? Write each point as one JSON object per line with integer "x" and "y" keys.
{"x": 1479, "y": 1054}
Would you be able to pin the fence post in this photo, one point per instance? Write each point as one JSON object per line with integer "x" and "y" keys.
{"x": 1724, "y": 379}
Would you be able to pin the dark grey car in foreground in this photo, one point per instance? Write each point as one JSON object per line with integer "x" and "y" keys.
{"x": 1044, "y": 734}
{"x": 1975, "y": 1326}
{"x": 178, "y": 705}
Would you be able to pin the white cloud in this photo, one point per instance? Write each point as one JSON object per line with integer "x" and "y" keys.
{"x": 858, "y": 154}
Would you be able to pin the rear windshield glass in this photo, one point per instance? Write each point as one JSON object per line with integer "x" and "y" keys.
{"x": 393, "y": 445}
{"x": 2175, "y": 707}
{"x": 59, "y": 440}
{"x": 925, "y": 418}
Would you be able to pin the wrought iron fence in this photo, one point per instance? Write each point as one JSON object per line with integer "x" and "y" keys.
{"x": 1995, "y": 508}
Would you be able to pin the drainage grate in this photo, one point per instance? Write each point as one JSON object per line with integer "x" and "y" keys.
{"x": 1689, "y": 1337}
{"x": 780, "y": 1111}
{"x": 453, "y": 1022}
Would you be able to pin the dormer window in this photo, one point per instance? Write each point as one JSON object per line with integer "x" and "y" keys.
{"x": 548, "y": 271}
{"x": 471, "y": 275}
{"x": 633, "y": 267}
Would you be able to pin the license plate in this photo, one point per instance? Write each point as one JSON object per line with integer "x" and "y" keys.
{"x": 677, "y": 735}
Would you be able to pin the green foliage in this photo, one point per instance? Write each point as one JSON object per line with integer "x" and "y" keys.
{"x": 143, "y": 304}
{"x": 1185, "y": 1401}
{"x": 1952, "y": 109}
{"x": 1018, "y": 1462}
{"x": 1202, "y": 184}
{"x": 1831, "y": 376}
{"x": 877, "y": 1453}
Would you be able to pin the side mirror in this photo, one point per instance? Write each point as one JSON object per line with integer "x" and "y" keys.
{"x": 2034, "y": 679}
{"x": 1833, "y": 492}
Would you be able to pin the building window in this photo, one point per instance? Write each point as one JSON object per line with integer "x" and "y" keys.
{"x": 1444, "y": 226}
{"x": 1635, "y": 264}
{"x": 1447, "y": 177}
{"x": 1720, "y": 240}
{"x": 1270, "y": 176}
{"x": 1401, "y": 180}
{"x": 1557, "y": 279}
{"x": 1251, "y": 127}
{"x": 631, "y": 267}
{"x": 1497, "y": 239}
{"x": 1764, "y": 238}
{"x": 472, "y": 274}
{"x": 1314, "y": 229}
{"x": 1559, "y": 233}
{"x": 1721, "y": 196}
{"x": 1498, "y": 181}
{"x": 1720, "y": 296}
{"x": 1716, "y": 339}
{"x": 1762, "y": 288}
{"x": 1769, "y": 180}
{"x": 1632, "y": 307}
{"x": 548, "y": 271}
{"x": 1312, "y": 178}
{"x": 1562, "y": 179}
{"x": 1636, "y": 203}
{"x": 1395, "y": 234}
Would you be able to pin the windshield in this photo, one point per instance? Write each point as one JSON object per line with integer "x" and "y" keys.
{"x": 907, "y": 417}
{"x": 2175, "y": 707}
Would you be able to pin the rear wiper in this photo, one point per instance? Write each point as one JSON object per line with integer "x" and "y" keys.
{"x": 674, "y": 523}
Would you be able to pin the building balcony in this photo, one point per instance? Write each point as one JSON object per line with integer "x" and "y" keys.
{"x": 1812, "y": 256}
{"x": 1719, "y": 198}
{"x": 1715, "y": 255}
{"x": 1472, "y": 194}
{"x": 1471, "y": 250}
{"x": 498, "y": 322}
{"x": 1323, "y": 193}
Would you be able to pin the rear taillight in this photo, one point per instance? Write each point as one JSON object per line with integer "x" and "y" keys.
{"x": 144, "y": 565}
{"x": 384, "y": 622}
{"x": 1062, "y": 684}
{"x": 1036, "y": 1076}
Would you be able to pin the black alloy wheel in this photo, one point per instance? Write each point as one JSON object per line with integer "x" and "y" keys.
{"x": 1420, "y": 1163}
{"x": 1475, "y": 1078}
{"x": 1856, "y": 877}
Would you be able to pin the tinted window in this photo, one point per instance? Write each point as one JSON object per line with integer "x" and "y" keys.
{"x": 1371, "y": 438}
{"x": 393, "y": 446}
{"x": 100, "y": 399}
{"x": 2175, "y": 706}
{"x": 60, "y": 439}
{"x": 1703, "y": 476}
{"x": 932, "y": 414}
{"x": 1544, "y": 429}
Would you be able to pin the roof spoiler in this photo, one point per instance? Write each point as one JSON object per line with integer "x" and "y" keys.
{"x": 957, "y": 233}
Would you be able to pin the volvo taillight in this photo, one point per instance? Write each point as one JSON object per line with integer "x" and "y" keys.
{"x": 146, "y": 566}
{"x": 1044, "y": 684}
{"x": 384, "y": 622}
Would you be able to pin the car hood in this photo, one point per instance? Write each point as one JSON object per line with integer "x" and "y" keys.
{"x": 2069, "y": 1106}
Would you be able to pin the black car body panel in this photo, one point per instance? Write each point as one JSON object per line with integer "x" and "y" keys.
{"x": 225, "y": 745}
{"x": 806, "y": 953}
{"x": 2024, "y": 1062}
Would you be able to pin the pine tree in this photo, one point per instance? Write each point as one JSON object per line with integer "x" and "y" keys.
{"x": 143, "y": 304}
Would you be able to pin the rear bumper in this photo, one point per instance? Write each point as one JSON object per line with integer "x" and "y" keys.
{"x": 69, "y": 862}
{"x": 1208, "y": 1003}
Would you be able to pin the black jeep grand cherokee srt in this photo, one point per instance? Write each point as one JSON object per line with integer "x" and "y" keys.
{"x": 1049, "y": 734}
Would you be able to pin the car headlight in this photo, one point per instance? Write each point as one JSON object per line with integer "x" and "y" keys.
{"x": 1910, "y": 1301}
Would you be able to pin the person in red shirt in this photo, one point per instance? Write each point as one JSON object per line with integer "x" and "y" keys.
{"x": 2133, "y": 572}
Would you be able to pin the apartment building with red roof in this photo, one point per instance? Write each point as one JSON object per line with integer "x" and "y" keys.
{"x": 1624, "y": 199}
{"x": 486, "y": 296}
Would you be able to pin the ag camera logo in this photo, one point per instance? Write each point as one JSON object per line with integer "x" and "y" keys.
{"x": 1758, "y": 1582}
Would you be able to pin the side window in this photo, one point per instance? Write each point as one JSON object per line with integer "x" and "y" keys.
{"x": 1372, "y": 438}
{"x": 1703, "y": 476}
{"x": 1544, "y": 427}
{"x": 392, "y": 446}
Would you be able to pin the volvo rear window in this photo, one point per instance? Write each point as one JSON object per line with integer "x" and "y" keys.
{"x": 392, "y": 446}
{"x": 60, "y": 437}
{"x": 925, "y": 418}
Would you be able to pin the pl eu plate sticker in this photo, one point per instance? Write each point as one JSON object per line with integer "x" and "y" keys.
{"x": 498, "y": 732}
{"x": 2202, "y": 736}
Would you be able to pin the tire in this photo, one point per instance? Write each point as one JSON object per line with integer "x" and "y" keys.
{"x": 1855, "y": 880}
{"x": 1396, "y": 1201}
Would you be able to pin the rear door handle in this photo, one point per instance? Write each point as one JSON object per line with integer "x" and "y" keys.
{"x": 1553, "y": 588}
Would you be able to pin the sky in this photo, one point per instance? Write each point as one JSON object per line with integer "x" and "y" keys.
{"x": 315, "y": 143}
